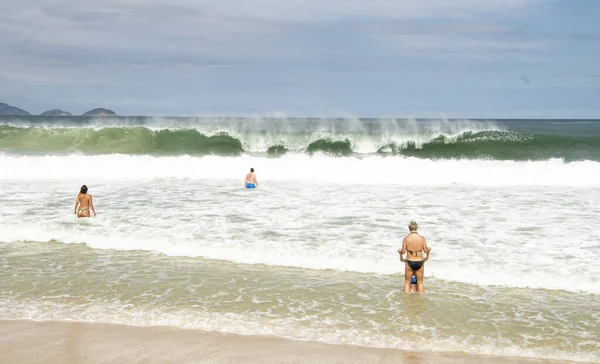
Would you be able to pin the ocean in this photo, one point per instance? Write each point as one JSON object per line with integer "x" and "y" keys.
{"x": 509, "y": 207}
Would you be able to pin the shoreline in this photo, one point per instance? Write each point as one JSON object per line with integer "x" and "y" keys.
{"x": 27, "y": 341}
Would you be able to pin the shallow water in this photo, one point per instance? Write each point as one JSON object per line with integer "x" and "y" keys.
{"x": 311, "y": 254}
{"x": 309, "y": 262}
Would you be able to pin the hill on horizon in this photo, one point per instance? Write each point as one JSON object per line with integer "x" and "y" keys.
{"x": 6, "y": 109}
{"x": 99, "y": 112}
{"x": 56, "y": 112}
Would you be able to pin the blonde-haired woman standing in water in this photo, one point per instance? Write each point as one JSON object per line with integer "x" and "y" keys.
{"x": 84, "y": 203}
{"x": 414, "y": 245}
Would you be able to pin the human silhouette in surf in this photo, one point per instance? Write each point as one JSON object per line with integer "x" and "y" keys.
{"x": 84, "y": 203}
{"x": 414, "y": 245}
{"x": 250, "y": 181}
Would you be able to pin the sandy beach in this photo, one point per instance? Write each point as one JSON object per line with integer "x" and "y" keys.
{"x": 24, "y": 341}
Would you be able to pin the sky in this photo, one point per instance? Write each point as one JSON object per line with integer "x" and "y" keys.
{"x": 355, "y": 58}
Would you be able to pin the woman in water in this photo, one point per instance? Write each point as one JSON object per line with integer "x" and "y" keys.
{"x": 84, "y": 203}
{"x": 414, "y": 245}
{"x": 413, "y": 279}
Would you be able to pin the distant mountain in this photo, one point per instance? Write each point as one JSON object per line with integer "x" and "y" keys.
{"x": 6, "y": 109}
{"x": 100, "y": 112}
{"x": 56, "y": 112}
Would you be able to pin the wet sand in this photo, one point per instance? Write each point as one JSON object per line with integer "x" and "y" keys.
{"x": 24, "y": 341}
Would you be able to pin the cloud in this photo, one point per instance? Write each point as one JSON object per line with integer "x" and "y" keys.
{"x": 464, "y": 44}
{"x": 295, "y": 53}
{"x": 317, "y": 10}
{"x": 180, "y": 13}
{"x": 447, "y": 27}
{"x": 174, "y": 25}
{"x": 65, "y": 36}
{"x": 473, "y": 46}
{"x": 202, "y": 32}
{"x": 158, "y": 26}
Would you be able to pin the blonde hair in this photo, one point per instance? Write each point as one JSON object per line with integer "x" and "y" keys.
{"x": 412, "y": 226}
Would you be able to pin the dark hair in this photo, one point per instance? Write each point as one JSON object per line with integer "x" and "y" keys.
{"x": 83, "y": 189}
{"x": 251, "y": 169}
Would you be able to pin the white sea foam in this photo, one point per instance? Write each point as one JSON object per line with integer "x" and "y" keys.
{"x": 306, "y": 169}
{"x": 321, "y": 213}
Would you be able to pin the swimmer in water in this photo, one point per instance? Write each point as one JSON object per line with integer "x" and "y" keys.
{"x": 250, "y": 181}
{"x": 414, "y": 245}
{"x": 413, "y": 279}
{"x": 84, "y": 203}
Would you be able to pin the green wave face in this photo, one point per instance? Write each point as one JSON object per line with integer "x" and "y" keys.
{"x": 506, "y": 146}
{"x": 500, "y": 145}
{"x": 137, "y": 140}
{"x": 328, "y": 146}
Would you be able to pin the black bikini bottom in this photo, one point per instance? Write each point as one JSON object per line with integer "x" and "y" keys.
{"x": 414, "y": 264}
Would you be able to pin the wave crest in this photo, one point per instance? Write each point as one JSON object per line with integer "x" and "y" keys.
{"x": 433, "y": 140}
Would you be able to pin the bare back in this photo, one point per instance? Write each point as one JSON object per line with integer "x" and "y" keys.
{"x": 84, "y": 200}
{"x": 251, "y": 178}
{"x": 415, "y": 245}
{"x": 83, "y": 205}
